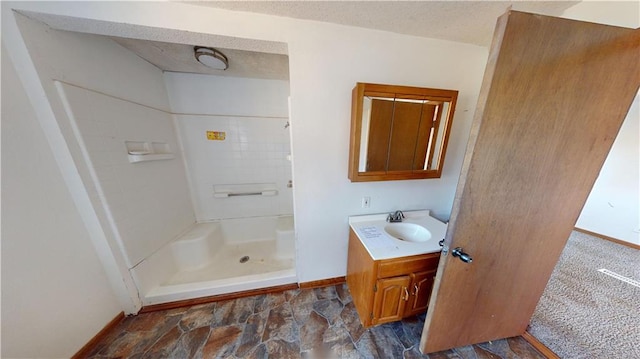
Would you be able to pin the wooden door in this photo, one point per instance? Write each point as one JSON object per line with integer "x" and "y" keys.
{"x": 391, "y": 297}
{"x": 420, "y": 289}
{"x": 553, "y": 98}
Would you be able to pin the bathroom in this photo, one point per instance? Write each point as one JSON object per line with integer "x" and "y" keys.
{"x": 322, "y": 194}
{"x": 322, "y": 74}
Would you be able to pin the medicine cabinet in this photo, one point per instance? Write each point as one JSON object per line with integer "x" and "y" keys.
{"x": 399, "y": 132}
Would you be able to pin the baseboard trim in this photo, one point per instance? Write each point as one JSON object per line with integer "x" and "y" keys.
{"x": 548, "y": 353}
{"x": 236, "y": 295}
{"x": 87, "y": 348}
{"x": 217, "y": 298}
{"x": 323, "y": 283}
{"x": 610, "y": 239}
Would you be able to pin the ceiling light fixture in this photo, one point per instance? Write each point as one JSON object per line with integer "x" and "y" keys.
{"x": 211, "y": 57}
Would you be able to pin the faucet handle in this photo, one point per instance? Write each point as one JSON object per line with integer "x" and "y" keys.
{"x": 396, "y": 216}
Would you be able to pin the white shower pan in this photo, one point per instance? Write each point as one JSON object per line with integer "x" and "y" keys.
{"x": 220, "y": 257}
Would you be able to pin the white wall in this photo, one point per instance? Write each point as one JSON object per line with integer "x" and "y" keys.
{"x": 197, "y": 94}
{"x": 613, "y": 207}
{"x": 253, "y": 114}
{"x": 326, "y": 61}
{"x": 55, "y": 294}
{"x": 148, "y": 202}
{"x": 325, "y": 64}
{"x": 616, "y": 13}
{"x": 141, "y": 206}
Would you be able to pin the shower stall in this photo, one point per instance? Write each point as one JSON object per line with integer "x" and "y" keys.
{"x": 237, "y": 153}
{"x": 188, "y": 175}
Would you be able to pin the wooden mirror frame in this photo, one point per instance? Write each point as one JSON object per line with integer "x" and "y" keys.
{"x": 402, "y": 92}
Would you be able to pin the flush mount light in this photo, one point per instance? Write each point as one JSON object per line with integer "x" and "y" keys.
{"x": 211, "y": 57}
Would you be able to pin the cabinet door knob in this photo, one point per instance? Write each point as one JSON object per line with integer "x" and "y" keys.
{"x": 415, "y": 289}
{"x": 406, "y": 294}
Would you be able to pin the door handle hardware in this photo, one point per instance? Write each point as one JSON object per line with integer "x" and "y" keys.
{"x": 458, "y": 252}
{"x": 415, "y": 289}
{"x": 406, "y": 294}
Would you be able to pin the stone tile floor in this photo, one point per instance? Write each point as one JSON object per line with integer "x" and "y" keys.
{"x": 303, "y": 323}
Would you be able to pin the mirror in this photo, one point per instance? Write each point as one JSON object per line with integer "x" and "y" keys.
{"x": 399, "y": 132}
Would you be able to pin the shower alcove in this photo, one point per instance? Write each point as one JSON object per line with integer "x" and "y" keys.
{"x": 235, "y": 138}
{"x": 188, "y": 169}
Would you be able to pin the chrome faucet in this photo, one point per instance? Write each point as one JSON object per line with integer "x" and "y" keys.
{"x": 397, "y": 216}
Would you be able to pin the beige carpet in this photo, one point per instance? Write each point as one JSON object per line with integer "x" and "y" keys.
{"x": 584, "y": 313}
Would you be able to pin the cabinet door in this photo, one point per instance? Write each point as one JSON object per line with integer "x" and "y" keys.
{"x": 391, "y": 297}
{"x": 420, "y": 291}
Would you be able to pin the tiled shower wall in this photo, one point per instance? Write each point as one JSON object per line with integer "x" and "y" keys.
{"x": 254, "y": 151}
{"x": 112, "y": 96}
{"x": 147, "y": 201}
{"x": 252, "y": 114}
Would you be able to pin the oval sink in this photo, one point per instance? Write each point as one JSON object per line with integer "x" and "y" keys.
{"x": 408, "y": 232}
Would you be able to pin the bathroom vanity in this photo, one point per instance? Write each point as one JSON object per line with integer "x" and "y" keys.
{"x": 391, "y": 266}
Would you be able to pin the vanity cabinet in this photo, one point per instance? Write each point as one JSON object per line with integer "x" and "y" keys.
{"x": 388, "y": 290}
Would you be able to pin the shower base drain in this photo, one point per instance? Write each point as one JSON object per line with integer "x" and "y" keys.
{"x": 244, "y": 259}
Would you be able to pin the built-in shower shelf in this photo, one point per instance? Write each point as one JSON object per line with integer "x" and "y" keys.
{"x": 140, "y": 151}
{"x": 151, "y": 157}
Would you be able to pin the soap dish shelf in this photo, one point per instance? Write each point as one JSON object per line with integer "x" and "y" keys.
{"x": 151, "y": 157}
{"x": 140, "y": 151}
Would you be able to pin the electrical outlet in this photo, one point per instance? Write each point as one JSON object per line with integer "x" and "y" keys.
{"x": 366, "y": 202}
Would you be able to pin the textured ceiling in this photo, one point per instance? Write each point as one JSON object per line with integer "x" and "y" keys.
{"x": 470, "y": 22}
{"x": 180, "y": 58}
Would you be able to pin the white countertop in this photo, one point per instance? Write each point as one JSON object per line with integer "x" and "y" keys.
{"x": 380, "y": 245}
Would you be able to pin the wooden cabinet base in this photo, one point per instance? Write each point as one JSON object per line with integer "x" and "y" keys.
{"x": 390, "y": 289}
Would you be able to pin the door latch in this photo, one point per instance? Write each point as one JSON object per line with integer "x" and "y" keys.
{"x": 458, "y": 252}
